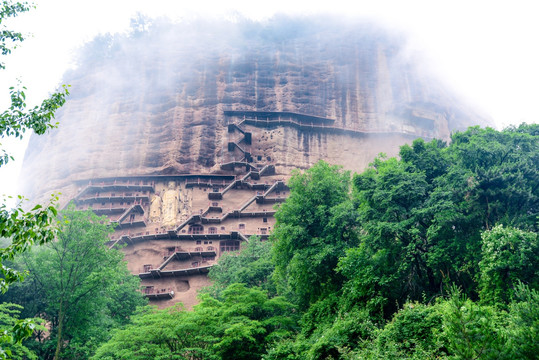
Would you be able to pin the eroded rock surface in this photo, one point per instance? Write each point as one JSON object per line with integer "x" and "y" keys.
{"x": 154, "y": 102}
{"x": 184, "y": 135}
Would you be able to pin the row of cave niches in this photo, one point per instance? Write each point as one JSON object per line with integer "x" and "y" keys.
{"x": 204, "y": 253}
{"x": 189, "y": 262}
{"x": 197, "y": 229}
{"x": 114, "y": 197}
{"x": 181, "y": 263}
{"x": 126, "y": 202}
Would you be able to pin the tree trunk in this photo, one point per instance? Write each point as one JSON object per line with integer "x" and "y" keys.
{"x": 60, "y": 326}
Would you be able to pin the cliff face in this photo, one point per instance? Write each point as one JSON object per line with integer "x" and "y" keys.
{"x": 155, "y": 102}
{"x": 184, "y": 135}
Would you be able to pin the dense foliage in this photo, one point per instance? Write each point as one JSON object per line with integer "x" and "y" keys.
{"x": 433, "y": 255}
{"x": 314, "y": 228}
{"x": 23, "y": 228}
{"x": 80, "y": 287}
{"x": 237, "y": 325}
{"x": 252, "y": 266}
{"x": 9, "y": 317}
{"x": 423, "y": 216}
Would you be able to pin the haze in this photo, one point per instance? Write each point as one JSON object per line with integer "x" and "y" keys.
{"x": 485, "y": 51}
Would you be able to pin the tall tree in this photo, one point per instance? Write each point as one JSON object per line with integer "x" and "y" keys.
{"x": 36, "y": 226}
{"x": 422, "y": 216}
{"x": 77, "y": 284}
{"x": 315, "y": 225}
{"x": 393, "y": 255}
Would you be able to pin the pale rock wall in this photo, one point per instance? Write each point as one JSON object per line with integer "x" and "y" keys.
{"x": 153, "y": 103}
{"x": 150, "y": 108}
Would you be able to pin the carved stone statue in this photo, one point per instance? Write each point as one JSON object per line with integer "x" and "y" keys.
{"x": 170, "y": 204}
{"x": 155, "y": 208}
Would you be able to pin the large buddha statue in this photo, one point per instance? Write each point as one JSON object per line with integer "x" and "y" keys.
{"x": 170, "y": 204}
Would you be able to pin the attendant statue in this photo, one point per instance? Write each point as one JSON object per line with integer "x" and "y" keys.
{"x": 155, "y": 208}
{"x": 170, "y": 204}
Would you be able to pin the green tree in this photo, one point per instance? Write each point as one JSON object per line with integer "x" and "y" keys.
{"x": 152, "y": 334}
{"x": 524, "y": 323}
{"x": 252, "y": 266}
{"x": 392, "y": 259}
{"x": 247, "y": 321}
{"x": 413, "y": 333}
{"x": 508, "y": 256}
{"x": 80, "y": 286}
{"x": 503, "y": 178}
{"x": 336, "y": 336}
{"x": 422, "y": 216}
{"x": 240, "y": 325}
{"x": 36, "y": 226}
{"x": 9, "y": 317}
{"x": 459, "y": 328}
{"x": 472, "y": 331}
{"x": 16, "y": 120}
{"x": 315, "y": 225}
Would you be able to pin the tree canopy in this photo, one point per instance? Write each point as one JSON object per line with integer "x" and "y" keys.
{"x": 79, "y": 286}
{"x": 252, "y": 266}
{"x": 422, "y": 216}
{"x": 239, "y": 325}
{"x": 23, "y": 228}
{"x": 314, "y": 228}
{"x": 430, "y": 256}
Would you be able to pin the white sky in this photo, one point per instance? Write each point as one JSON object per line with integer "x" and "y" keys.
{"x": 486, "y": 50}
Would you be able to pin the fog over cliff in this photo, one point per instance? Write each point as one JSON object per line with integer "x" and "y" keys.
{"x": 152, "y": 101}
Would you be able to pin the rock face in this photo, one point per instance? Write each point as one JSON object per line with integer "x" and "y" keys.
{"x": 154, "y": 102}
{"x": 186, "y": 125}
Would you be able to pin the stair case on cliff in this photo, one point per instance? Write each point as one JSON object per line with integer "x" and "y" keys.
{"x": 221, "y": 185}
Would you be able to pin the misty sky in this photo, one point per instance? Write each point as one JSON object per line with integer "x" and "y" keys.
{"x": 485, "y": 50}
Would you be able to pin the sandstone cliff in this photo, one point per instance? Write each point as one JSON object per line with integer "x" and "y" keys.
{"x": 154, "y": 102}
